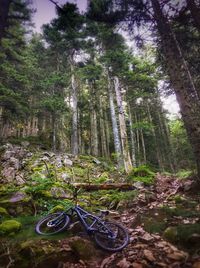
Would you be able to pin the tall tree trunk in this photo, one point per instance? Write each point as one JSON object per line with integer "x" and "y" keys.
{"x": 132, "y": 134}
{"x": 181, "y": 81}
{"x": 94, "y": 133}
{"x": 137, "y": 140}
{"x": 4, "y": 10}
{"x": 102, "y": 130}
{"x": 122, "y": 126}
{"x": 117, "y": 143}
{"x": 195, "y": 12}
{"x": 158, "y": 153}
{"x": 143, "y": 147}
{"x": 74, "y": 98}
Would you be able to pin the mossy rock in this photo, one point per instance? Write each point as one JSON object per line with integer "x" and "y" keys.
{"x": 3, "y": 212}
{"x": 57, "y": 209}
{"x": 9, "y": 226}
{"x": 83, "y": 248}
{"x": 171, "y": 234}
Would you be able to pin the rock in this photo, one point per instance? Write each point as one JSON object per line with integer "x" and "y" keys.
{"x": 10, "y": 226}
{"x": 18, "y": 197}
{"x": 138, "y": 185}
{"x": 149, "y": 255}
{"x": 83, "y": 249}
{"x": 65, "y": 177}
{"x": 187, "y": 185}
{"x": 67, "y": 162}
{"x": 58, "y": 192}
{"x": 49, "y": 154}
{"x": 25, "y": 143}
{"x": 58, "y": 162}
{"x": 96, "y": 161}
{"x": 7, "y": 155}
{"x": 8, "y": 174}
{"x": 14, "y": 162}
{"x": 19, "y": 180}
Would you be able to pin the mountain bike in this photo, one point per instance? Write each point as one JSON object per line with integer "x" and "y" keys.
{"x": 108, "y": 235}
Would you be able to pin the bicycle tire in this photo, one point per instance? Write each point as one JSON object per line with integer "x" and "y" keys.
{"x": 63, "y": 224}
{"x": 102, "y": 237}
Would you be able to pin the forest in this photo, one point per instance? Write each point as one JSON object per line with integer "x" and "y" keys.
{"x": 83, "y": 104}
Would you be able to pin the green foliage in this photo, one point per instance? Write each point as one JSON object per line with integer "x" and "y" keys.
{"x": 143, "y": 174}
{"x": 184, "y": 174}
{"x": 181, "y": 147}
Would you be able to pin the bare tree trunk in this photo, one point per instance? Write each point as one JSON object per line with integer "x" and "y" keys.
{"x": 137, "y": 140}
{"x": 94, "y": 134}
{"x": 181, "y": 81}
{"x": 158, "y": 153}
{"x": 122, "y": 126}
{"x": 117, "y": 143}
{"x": 102, "y": 131}
{"x": 74, "y": 98}
{"x": 132, "y": 134}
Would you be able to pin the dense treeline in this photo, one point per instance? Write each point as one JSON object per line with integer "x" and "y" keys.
{"x": 79, "y": 88}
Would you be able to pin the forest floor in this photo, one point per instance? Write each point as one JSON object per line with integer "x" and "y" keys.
{"x": 162, "y": 218}
{"x": 146, "y": 221}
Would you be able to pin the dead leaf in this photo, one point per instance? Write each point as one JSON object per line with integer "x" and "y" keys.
{"x": 136, "y": 265}
{"x": 178, "y": 256}
{"x": 196, "y": 264}
{"x": 107, "y": 261}
{"x": 123, "y": 263}
{"x": 149, "y": 255}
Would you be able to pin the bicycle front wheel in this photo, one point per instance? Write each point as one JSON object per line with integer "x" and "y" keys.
{"x": 52, "y": 224}
{"x": 111, "y": 236}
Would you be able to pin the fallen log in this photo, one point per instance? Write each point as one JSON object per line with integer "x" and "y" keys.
{"x": 105, "y": 186}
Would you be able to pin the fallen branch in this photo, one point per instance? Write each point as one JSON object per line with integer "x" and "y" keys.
{"x": 106, "y": 186}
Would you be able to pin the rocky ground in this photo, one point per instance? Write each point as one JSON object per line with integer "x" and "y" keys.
{"x": 162, "y": 218}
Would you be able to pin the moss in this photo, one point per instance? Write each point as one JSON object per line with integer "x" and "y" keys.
{"x": 3, "y": 212}
{"x": 176, "y": 211}
{"x": 152, "y": 225}
{"x": 9, "y": 226}
{"x": 171, "y": 234}
{"x": 142, "y": 174}
{"x": 82, "y": 248}
{"x": 57, "y": 208}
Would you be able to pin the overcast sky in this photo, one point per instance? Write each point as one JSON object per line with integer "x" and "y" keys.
{"x": 45, "y": 10}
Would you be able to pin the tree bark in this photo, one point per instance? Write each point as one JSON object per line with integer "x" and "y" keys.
{"x": 102, "y": 131}
{"x": 181, "y": 81}
{"x": 117, "y": 143}
{"x": 109, "y": 186}
{"x": 132, "y": 134}
{"x": 122, "y": 126}
{"x": 74, "y": 136}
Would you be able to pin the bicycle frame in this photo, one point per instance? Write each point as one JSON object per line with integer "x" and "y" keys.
{"x": 84, "y": 215}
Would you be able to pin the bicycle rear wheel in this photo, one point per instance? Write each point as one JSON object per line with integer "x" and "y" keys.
{"x": 52, "y": 224}
{"x": 111, "y": 236}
